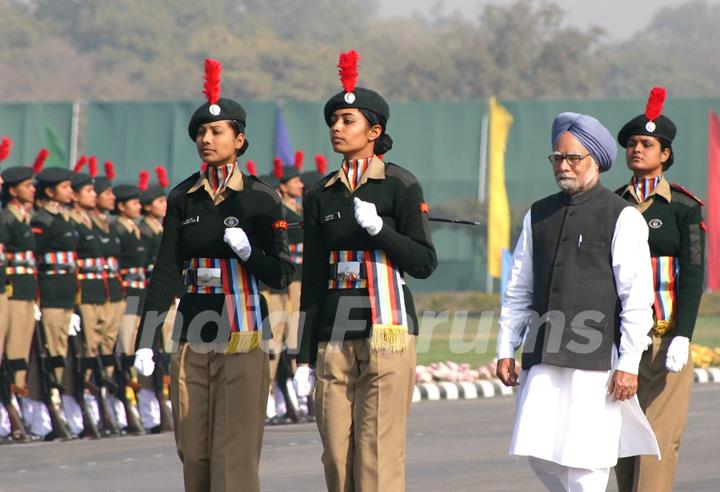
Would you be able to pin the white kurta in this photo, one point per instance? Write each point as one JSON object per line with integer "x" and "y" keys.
{"x": 565, "y": 415}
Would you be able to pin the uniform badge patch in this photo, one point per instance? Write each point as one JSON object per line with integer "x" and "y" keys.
{"x": 280, "y": 225}
{"x": 655, "y": 223}
{"x": 231, "y": 221}
{"x": 424, "y": 207}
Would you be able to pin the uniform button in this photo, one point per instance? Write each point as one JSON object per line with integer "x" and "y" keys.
{"x": 571, "y": 212}
{"x": 564, "y": 239}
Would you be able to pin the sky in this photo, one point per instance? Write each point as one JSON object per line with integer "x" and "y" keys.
{"x": 620, "y": 18}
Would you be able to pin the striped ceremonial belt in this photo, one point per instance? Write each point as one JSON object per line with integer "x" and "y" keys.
{"x": 112, "y": 266}
{"x": 296, "y": 253}
{"x": 387, "y": 302}
{"x": 91, "y": 268}
{"x": 58, "y": 263}
{"x": 242, "y": 297}
{"x": 3, "y": 256}
{"x": 665, "y": 274}
{"x": 20, "y": 263}
{"x": 133, "y": 277}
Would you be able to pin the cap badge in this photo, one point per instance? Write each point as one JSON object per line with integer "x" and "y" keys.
{"x": 655, "y": 224}
{"x": 650, "y": 126}
{"x": 349, "y": 97}
{"x": 231, "y": 222}
{"x": 214, "y": 109}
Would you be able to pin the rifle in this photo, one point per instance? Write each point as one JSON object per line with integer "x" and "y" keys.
{"x": 89, "y": 428}
{"x": 47, "y": 367}
{"x": 123, "y": 363}
{"x": 447, "y": 220}
{"x": 109, "y": 425}
{"x": 162, "y": 369}
{"x": 16, "y": 423}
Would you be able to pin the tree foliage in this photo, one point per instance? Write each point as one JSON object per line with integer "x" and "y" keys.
{"x": 286, "y": 49}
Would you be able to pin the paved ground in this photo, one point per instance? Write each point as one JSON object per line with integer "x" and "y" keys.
{"x": 452, "y": 445}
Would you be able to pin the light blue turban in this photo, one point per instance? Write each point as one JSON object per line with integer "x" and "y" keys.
{"x": 591, "y": 133}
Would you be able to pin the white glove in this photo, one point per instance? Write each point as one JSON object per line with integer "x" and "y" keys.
{"x": 144, "y": 362}
{"x": 677, "y": 354}
{"x": 304, "y": 380}
{"x": 238, "y": 242}
{"x": 74, "y": 326}
{"x": 36, "y": 312}
{"x": 366, "y": 215}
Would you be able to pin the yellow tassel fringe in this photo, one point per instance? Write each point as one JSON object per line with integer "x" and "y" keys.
{"x": 243, "y": 342}
{"x": 389, "y": 338}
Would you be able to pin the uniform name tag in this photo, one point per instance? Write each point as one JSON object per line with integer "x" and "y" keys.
{"x": 191, "y": 220}
{"x": 330, "y": 218}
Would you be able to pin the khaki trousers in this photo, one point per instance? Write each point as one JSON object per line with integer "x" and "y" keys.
{"x": 362, "y": 400}
{"x": 284, "y": 310}
{"x": 56, "y": 322}
{"x": 664, "y": 397}
{"x": 94, "y": 325}
{"x": 128, "y": 332}
{"x": 114, "y": 312}
{"x": 4, "y": 322}
{"x": 218, "y": 404}
{"x": 21, "y": 328}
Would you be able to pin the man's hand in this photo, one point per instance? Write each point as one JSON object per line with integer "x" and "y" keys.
{"x": 506, "y": 372}
{"x": 677, "y": 354}
{"x": 304, "y": 380}
{"x": 623, "y": 385}
{"x": 144, "y": 362}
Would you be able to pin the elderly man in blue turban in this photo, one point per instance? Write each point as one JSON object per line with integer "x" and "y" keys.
{"x": 579, "y": 301}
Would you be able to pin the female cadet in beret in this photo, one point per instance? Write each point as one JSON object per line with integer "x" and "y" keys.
{"x": 364, "y": 227}
{"x": 677, "y": 248}
{"x": 223, "y": 233}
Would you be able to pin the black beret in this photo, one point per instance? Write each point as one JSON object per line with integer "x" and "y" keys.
{"x": 661, "y": 128}
{"x": 81, "y": 179}
{"x": 153, "y": 192}
{"x": 16, "y": 175}
{"x": 359, "y": 98}
{"x": 289, "y": 172}
{"x": 309, "y": 178}
{"x": 224, "y": 109}
{"x": 51, "y": 176}
{"x": 125, "y": 192}
{"x": 270, "y": 180}
{"x": 102, "y": 184}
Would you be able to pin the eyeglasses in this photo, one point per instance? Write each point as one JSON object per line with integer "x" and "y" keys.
{"x": 573, "y": 160}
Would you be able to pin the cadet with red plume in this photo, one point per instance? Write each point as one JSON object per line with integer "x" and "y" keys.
{"x": 677, "y": 249}
{"x": 223, "y": 233}
{"x": 19, "y": 285}
{"x": 365, "y": 227}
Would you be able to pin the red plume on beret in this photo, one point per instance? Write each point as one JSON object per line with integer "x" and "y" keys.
{"x": 161, "y": 174}
{"x": 251, "y": 168}
{"x": 321, "y": 164}
{"x": 109, "y": 170}
{"x": 40, "y": 160}
{"x": 143, "y": 180}
{"x": 655, "y": 103}
{"x": 299, "y": 158}
{"x": 277, "y": 168}
{"x": 80, "y": 164}
{"x": 348, "y": 69}
{"x": 5, "y": 148}
{"x": 92, "y": 166}
{"x": 213, "y": 69}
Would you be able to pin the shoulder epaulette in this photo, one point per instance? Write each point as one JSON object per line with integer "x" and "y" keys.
{"x": 685, "y": 191}
{"x": 43, "y": 217}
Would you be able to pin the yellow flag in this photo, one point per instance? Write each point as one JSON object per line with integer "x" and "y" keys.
{"x": 498, "y": 233}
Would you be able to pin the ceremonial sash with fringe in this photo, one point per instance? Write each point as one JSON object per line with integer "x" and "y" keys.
{"x": 387, "y": 303}
{"x": 665, "y": 274}
{"x": 242, "y": 301}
